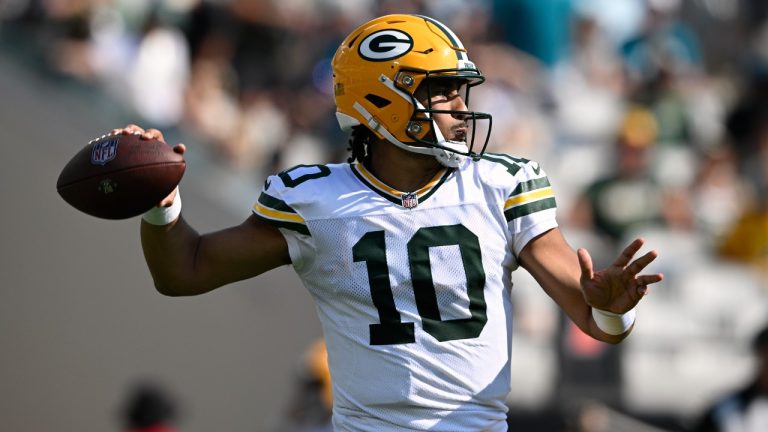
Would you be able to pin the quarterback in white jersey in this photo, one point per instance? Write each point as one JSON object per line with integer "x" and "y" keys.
{"x": 408, "y": 249}
{"x": 413, "y": 290}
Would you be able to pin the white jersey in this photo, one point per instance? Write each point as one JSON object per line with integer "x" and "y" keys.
{"x": 413, "y": 289}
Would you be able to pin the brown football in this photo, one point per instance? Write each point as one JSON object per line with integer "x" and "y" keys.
{"x": 120, "y": 176}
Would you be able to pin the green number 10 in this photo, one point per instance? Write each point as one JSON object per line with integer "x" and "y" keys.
{"x": 371, "y": 249}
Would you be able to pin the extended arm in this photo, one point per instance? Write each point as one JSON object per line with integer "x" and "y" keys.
{"x": 568, "y": 277}
{"x": 183, "y": 262}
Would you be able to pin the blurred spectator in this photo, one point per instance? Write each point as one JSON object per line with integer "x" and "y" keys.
{"x": 747, "y": 125}
{"x": 160, "y": 72}
{"x": 593, "y": 416}
{"x": 754, "y": 26}
{"x": 619, "y": 20}
{"x": 747, "y": 239}
{"x": 212, "y": 109}
{"x": 539, "y": 28}
{"x": 665, "y": 45}
{"x": 587, "y": 369}
{"x": 664, "y": 69}
{"x": 718, "y": 194}
{"x": 69, "y": 33}
{"x": 514, "y": 90}
{"x": 311, "y": 403}
{"x": 589, "y": 86}
{"x": 745, "y": 410}
{"x": 262, "y": 131}
{"x": 149, "y": 409}
{"x": 629, "y": 197}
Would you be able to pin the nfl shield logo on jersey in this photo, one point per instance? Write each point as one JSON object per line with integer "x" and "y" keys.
{"x": 104, "y": 151}
{"x": 410, "y": 200}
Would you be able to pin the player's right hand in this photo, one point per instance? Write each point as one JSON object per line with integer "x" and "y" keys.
{"x": 149, "y": 134}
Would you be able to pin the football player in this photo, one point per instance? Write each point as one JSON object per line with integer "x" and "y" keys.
{"x": 408, "y": 249}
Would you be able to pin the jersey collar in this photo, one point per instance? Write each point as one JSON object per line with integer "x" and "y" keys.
{"x": 395, "y": 196}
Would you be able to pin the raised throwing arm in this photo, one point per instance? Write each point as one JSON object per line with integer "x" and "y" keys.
{"x": 183, "y": 262}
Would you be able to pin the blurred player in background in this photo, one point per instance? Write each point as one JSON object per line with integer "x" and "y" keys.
{"x": 149, "y": 408}
{"x": 312, "y": 400}
{"x": 745, "y": 410}
{"x": 408, "y": 249}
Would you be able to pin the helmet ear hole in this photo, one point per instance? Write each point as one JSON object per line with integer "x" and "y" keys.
{"x": 377, "y": 101}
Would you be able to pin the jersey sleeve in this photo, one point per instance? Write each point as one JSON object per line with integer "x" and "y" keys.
{"x": 275, "y": 209}
{"x": 530, "y": 209}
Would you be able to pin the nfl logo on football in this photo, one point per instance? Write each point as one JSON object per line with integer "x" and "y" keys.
{"x": 410, "y": 200}
{"x": 104, "y": 152}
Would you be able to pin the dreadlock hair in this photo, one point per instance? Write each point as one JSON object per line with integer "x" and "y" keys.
{"x": 359, "y": 140}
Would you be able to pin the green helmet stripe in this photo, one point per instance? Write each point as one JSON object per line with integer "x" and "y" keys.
{"x": 449, "y": 34}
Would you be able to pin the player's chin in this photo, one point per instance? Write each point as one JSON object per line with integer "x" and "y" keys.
{"x": 459, "y": 138}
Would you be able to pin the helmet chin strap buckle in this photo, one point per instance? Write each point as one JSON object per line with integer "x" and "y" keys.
{"x": 414, "y": 128}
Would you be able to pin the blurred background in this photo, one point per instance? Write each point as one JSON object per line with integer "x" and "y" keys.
{"x": 650, "y": 117}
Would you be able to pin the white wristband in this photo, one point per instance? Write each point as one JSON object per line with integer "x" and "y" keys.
{"x": 164, "y": 215}
{"x": 613, "y": 323}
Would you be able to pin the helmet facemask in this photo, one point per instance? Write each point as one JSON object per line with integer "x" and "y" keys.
{"x": 422, "y": 127}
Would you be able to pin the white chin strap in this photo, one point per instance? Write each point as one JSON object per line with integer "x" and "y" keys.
{"x": 445, "y": 157}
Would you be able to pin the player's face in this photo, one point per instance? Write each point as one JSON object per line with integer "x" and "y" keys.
{"x": 448, "y": 95}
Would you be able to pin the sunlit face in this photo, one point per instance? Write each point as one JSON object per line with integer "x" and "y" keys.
{"x": 446, "y": 95}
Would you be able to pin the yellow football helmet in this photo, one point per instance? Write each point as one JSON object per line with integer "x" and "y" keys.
{"x": 378, "y": 69}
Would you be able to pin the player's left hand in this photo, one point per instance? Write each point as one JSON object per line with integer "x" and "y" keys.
{"x": 619, "y": 287}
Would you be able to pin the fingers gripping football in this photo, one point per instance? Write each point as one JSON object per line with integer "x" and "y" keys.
{"x": 153, "y": 134}
{"x": 148, "y": 134}
{"x": 138, "y": 130}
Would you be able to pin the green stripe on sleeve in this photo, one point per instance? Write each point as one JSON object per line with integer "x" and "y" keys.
{"x": 275, "y": 204}
{"x": 529, "y": 208}
{"x": 293, "y": 226}
{"x": 530, "y": 185}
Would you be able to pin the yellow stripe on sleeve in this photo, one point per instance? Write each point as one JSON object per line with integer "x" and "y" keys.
{"x": 528, "y": 197}
{"x": 278, "y": 215}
